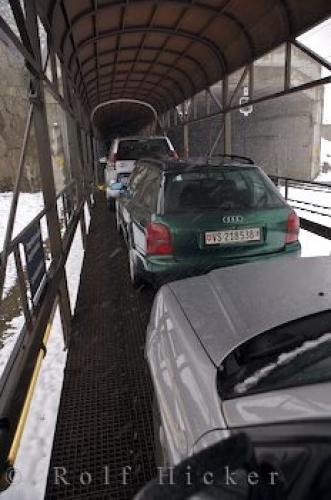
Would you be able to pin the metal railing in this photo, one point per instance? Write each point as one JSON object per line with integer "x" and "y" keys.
{"x": 306, "y": 206}
{"x": 19, "y": 371}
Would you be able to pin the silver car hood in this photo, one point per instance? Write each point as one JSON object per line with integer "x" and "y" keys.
{"x": 312, "y": 402}
{"x": 230, "y": 305}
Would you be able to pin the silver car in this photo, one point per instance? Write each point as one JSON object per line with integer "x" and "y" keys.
{"x": 122, "y": 157}
{"x": 243, "y": 348}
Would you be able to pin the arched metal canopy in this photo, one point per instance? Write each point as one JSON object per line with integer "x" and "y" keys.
{"x": 163, "y": 52}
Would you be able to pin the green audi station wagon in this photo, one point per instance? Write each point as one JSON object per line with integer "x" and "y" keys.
{"x": 183, "y": 218}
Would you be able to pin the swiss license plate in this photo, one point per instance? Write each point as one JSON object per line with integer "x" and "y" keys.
{"x": 232, "y": 236}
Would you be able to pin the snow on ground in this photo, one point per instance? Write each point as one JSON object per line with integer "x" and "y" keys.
{"x": 29, "y": 206}
{"x": 87, "y": 216}
{"x": 304, "y": 200}
{"x": 73, "y": 267}
{"x": 326, "y": 177}
{"x": 33, "y": 458}
{"x": 9, "y": 340}
{"x": 32, "y": 461}
{"x": 313, "y": 245}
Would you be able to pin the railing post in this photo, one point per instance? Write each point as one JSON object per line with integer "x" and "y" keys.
{"x": 22, "y": 285}
{"x": 286, "y": 189}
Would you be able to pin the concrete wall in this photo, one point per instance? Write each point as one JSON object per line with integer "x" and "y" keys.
{"x": 283, "y": 134}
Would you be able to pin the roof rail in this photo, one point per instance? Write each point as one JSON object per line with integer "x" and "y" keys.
{"x": 249, "y": 161}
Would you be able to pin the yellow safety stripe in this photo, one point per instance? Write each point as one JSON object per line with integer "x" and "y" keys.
{"x": 27, "y": 403}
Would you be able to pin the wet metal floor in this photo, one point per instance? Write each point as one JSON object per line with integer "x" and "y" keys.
{"x": 105, "y": 416}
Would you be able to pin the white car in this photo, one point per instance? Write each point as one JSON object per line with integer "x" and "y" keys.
{"x": 123, "y": 154}
{"x": 242, "y": 349}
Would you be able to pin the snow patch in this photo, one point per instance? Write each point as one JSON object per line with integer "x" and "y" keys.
{"x": 32, "y": 461}
{"x": 283, "y": 359}
{"x": 74, "y": 266}
{"x": 313, "y": 245}
{"x": 29, "y": 206}
{"x": 9, "y": 340}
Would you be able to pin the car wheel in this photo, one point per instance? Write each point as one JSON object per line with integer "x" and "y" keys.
{"x": 135, "y": 276}
{"x": 110, "y": 204}
{"x": 159, "y": 455}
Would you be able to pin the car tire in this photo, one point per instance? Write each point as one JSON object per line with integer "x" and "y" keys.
{"x": 110, "y": 204}
{"x": 135, "y": 276}
{"x": 159, "y": 455}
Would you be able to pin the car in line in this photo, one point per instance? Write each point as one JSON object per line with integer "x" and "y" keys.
{"x": 123, "y": 154}
{"x": 181, "y": 218}
{"x": 246, "y": 349}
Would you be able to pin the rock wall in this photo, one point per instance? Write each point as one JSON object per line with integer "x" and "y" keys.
{"x": 14, "y": 104}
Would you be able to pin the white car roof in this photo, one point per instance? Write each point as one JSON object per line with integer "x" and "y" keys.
{"x": 137, "y": 137}
{"x": 228, "y": 306}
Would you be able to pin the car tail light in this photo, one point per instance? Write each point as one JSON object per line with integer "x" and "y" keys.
{"x": 113, "y": 159}
{"x": 158, "y": 239}
{"x": 293, "y": 226}
{"x": 173, "y": 154}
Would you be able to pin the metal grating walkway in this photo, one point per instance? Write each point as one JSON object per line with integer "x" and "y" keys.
{"x": 105, "y": 416}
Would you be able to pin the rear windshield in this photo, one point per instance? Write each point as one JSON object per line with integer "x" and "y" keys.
{"x": 294, "y": 354}
{"x": 228, "y": 188}
{"x": 134, "y": 149}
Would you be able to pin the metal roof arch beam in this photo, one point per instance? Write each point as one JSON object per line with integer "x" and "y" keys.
{"x": 244, "y": 31}
{"x": 173, "y": 100}
{"x": 163, "y": 65}
{"x": 190, "y": 58}
{"x": 143, "y": 96}
{"x": 123, "y": 3}
{"x": 156, "y": 101}
{"x": 165, "y": 100}
{"x": 202, "y": 40}
{"x": 136, "y": 102}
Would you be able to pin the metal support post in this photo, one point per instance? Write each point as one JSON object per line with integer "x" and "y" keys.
{"x": 287, "y": 74}
{"x": 186, "y": 140}
{"x": 226, "y": 118}
{"x": 47, "y": 179}
{"x": 47, "y": 175}
{"x": 75, "y": 165}
{"x": 251, "y": 82}
{"x": 13, "y": 207}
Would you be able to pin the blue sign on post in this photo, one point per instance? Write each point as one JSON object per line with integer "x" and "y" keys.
{"x": 35, "y": 261}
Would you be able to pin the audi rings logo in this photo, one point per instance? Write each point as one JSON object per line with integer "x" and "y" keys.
{"x": 233, "y": 219}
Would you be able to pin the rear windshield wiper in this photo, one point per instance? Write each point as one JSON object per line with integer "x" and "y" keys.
{"x": 283, "y": 359}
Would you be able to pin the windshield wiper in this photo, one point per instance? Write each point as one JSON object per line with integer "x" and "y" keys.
{"x": 282, "y": 360}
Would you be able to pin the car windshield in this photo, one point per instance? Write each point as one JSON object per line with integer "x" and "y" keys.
{"x": 298, "y": 353}
{"x": 228, "y": 188}
{"x": 133, "y": 149}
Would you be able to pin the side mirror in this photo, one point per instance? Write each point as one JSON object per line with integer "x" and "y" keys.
{"x": 103, "y": 160}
